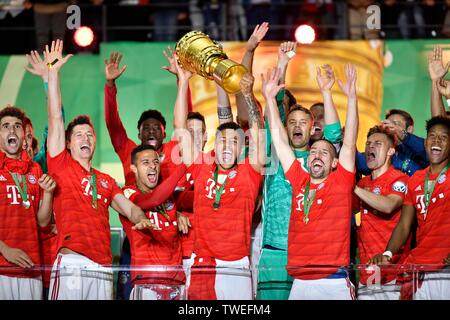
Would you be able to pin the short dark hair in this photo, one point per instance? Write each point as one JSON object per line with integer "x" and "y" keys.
{"x": 298, "y": 107}
{"x": 333, "y": 148}
{"x": 229, "y": 125}
{"x": 196, "y": 115}
{"x": 11, "y": 111}
{"x": 79, "y": 120}
{"x": 139, "y": 149}
{"x": 27, "y": 122}
{"x": 445, "y": 121}
{"x": 386, "y": 132}
{"x": 406, "y": 116}
{"x": 317, "y": 104}
{"x": 291, "y": 99}
{"x": 151, "y": 114}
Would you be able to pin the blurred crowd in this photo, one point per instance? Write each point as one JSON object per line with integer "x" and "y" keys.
{"x": 233, "y": 20}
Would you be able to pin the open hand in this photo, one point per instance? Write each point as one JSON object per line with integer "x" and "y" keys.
{"x": 325, "y": 80}
{"x": 38, "y": 66}
{"x": 349, "y": 88}
{"x": 270, "y": 86}
{"x": 54, "y": 56}
{"x": 436, "y": 67}
{"x": 112, "y": 67}
{"x": 258, "y": 34}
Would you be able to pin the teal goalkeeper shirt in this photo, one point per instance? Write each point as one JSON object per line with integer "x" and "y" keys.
{"x": 277, "y": 191}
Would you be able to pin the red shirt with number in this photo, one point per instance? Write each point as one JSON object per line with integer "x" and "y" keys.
{"x": 318, "y": 248}
{"x": 433, "y": 225}
{"x": 376, "y": 228}
{"x": 155, "y": 247}
{"x": 18, "y": 225}
{"x": 81, "y": 227}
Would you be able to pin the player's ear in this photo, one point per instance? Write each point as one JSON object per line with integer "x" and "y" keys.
{"x": 133, "y": 168}
{"x": 410, "y": 129}
{"x": 391, "y": 152}
{"x": 334, "y": 163}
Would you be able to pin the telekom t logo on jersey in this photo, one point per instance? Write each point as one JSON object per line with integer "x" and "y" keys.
{"x": 86, "y": 184}
{"x": 13, "y": 193}
{"x": 211, "y": 188}
{"x": 420, "y": 203}
{"x": 299, "y": 201}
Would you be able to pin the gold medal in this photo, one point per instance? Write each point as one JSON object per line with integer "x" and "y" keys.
{"x": 305, "y": 220}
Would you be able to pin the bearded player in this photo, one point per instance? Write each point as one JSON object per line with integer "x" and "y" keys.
{"x": 380, "y": 196}
{"x": 274, "y": 282}
{"x": 319, "y": 229}
{"x": 427, "y": 202}
{"x": 26, "y": 203}
{"x": 81, "y": 204}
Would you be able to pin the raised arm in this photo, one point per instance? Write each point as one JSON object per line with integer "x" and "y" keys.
{"x": 348, "y": 150}
{"x": 116, "y": 129}
{"x": 56, "y": 141}
{"x": 224, "y": 111}
{"x": 253, "y": 42}
{"x": 286, "y": 53}
{"x": 326, "y": 82}
{"x": 436, "y": 71}
{"x": 247, "y": 61}
{"x": 258, "y": 137}
{"x": 270, "y": 88}
{"x": 173, "y": 69}
{"x": 180, "y": 111}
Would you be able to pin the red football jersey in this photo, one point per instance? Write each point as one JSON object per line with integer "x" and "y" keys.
{"x": 48, "y": 242}
{"x": 375, "y": 229}
{"x": 224, "y": 233}
{"x": 81, "y": 227}
{"x": 18, "y": 226}
{"x": 433, "y": 230}
{"x": 325, "y": 240}
{"x": 124, "y": 146}
{"x": 155, "y": 247}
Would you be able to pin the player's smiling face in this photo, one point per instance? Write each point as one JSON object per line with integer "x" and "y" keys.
{"x": 378, "y": 150}
{"x": 437, "y": 144}
{"x": 147, "y": 168}
{"x": 321, "y": 160}
{"x": 227, "y": 147}
{"x": 299, "y": 127}
{"x": 11, "y": 136}
{"x": 82, "y": 142}
{"x": 152, "y": 133}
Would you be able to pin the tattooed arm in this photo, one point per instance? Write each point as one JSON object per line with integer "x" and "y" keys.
{"x": 257, "y": 135}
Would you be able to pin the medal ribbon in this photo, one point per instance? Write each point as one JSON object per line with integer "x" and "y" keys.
{"x": 219, "y": 191}
{"x": 307, "y": 202}
{"x": 93, "y": 182}
{"x": 429, "y": 193}
{"x": 24, "y": 192}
